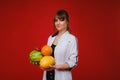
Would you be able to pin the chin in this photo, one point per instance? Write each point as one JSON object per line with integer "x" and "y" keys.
{"x": 59, "y": 29}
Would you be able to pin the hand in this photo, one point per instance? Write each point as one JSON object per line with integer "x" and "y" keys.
{"x": 53, "y": 66}
{"x": 35, "y": 63}
{"x": 61, "y": 66}
{"x": 48, "y": 69}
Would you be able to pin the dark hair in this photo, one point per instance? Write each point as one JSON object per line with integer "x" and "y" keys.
{"x": 62, "y": 15}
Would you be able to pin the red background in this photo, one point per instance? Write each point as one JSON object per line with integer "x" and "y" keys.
{"x": 26, "y": 24}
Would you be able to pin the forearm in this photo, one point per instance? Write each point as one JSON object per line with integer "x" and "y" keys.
{"x": 62, "y": 66}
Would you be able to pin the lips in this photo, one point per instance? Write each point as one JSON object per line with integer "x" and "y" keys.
{"x": 57, "y": 26}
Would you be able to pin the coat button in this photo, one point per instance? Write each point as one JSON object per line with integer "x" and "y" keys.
{"x": 50, "y": 73}
{"x": 51, "y": 77}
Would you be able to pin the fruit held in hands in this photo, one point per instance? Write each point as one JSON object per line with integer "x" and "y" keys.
{"x": 35, "y": 56}
{"x": 46, "y": 50}
{"x": 46, "y": 62}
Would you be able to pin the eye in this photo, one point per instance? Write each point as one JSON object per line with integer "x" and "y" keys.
{"x": 55, "y": 20}
{"x": 62, "y": 19}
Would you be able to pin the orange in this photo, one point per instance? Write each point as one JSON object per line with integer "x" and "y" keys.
{"x": 46, "y": 61}
{"x": 46, "y": 50}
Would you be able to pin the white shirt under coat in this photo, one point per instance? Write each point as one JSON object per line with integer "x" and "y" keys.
{"x": 66, "y": 51}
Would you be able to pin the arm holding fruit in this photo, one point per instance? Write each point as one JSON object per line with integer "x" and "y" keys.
{"x": 72, "y": 57}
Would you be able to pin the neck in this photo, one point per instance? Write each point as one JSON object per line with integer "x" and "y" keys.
{"x": 61, "y": 32}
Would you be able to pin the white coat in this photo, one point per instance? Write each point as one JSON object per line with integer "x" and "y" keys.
{"x": 66, "y": 51}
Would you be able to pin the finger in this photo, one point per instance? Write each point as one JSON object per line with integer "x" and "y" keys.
{"x": 35, "y": 63}
{"x": 50, "y": 66}
{"x": 31, "y": 62}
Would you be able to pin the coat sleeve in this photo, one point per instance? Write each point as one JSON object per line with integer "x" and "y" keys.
{"x": 72, "y": 53}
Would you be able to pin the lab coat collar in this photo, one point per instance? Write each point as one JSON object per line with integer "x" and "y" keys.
{"x": 61, "y": 38}
{"x": 67, "y": 32}
{"x": 55, "y": 34}
{"x": 64, "y": 33}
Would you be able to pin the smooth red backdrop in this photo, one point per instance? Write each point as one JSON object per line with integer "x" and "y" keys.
{"x": 25, "y": 24}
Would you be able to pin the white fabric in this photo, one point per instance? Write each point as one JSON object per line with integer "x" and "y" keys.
{"x": 65, "y": 51}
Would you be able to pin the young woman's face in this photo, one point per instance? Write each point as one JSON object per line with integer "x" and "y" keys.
{"x": 60, "y": 24}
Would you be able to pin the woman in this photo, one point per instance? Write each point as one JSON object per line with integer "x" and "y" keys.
{"x": 65, "y": 49}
